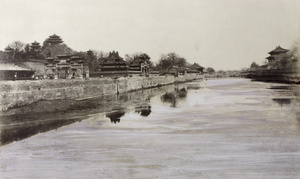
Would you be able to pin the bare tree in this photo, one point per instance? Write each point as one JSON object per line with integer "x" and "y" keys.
{"x": 18, "y": 46}
{"x": 19, "y": 51}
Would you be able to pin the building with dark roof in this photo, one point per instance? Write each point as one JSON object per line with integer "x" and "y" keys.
{"x": 276, "y": 54}
{"x": 53, "y": 40}
{"x": 139, "y": 66}
{"x": 35, "y": 46}
{"x": 113, "y": 65}
{"x": 197, "y": 67}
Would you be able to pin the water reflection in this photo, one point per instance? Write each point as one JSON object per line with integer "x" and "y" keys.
{"x": 21, "y": 130}
{"x": 143, "y": 110}
{"x": 172, "y": 97}
{"x": 18, "y": 127}
{"x": 281, "y": 87}
{"x": 293, "y": 90}
{"x": 115, "y": 115}
{"x": 282, "y": 101}
{"x": 286, "y": 94}
{"x": 193, "y": 86}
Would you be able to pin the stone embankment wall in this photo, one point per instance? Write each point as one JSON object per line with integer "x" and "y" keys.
{"x": 19, "y": 93}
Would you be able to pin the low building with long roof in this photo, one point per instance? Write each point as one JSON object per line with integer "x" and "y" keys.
{"x": 10, "y": 71}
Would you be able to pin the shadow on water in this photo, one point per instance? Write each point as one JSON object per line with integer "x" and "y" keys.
{"x": 23, "y": 125}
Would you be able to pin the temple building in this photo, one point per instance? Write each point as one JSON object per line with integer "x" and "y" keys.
{"x": 53, "y": 40}
{"x": 113, "y": 65}
{"x": 139, "y": 66}
{"x": 197, "y": 68}
{"x": 35, "y": 46}
{"x": 66, "y": 67}
{"x": 276, "y": 54}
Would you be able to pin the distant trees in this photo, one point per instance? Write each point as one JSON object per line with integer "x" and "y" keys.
{"x": 92, "y": 60}
{"x": 210, "y": 70}
{"x": 167, "y": 61}
{"x": 100, "y": 54}
{"x": 142, "y": 56}
{"x": 254, "y": 65}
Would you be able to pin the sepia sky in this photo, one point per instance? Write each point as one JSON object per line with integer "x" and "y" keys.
{"x": 223, "y": 34}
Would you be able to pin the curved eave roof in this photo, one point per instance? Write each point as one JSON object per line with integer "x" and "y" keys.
{"x": 11, "y": 67}
{"x": 35, "y": 43}
{"x": 270, "y": 57}
{"x": 278, "y": 49}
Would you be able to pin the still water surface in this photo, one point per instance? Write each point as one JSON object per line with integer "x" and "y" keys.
{"x": 224, "y": 128}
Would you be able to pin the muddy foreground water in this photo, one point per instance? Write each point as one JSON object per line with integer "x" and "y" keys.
{"x": 227, "y": 128}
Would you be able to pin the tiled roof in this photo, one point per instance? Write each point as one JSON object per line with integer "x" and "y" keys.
{"x": 279, "y": 49}
{"x": 12, "y": 67}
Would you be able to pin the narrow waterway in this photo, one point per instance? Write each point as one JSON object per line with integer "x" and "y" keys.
{"x": 223, "y": 128}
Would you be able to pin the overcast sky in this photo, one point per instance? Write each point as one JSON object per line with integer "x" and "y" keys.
{"x": 223, "y": 34}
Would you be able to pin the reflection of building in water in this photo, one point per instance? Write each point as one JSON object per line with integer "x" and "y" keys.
{"x": 181, "y": 93}
{"x": 143, "y": 110}
{"x": 171, "y": 97}
{"x": 283, "y": 101}
{"x": 115, "y": 115}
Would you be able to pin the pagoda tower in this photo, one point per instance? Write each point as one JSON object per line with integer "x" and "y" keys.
{"x": 54, "y": 40}
{"x": 276, "y": 54}
{"x": 35, "y": 46}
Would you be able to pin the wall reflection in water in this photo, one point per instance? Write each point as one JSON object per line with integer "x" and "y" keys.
{"x": 18, "y": 127}
{"x": 21, "y": 130}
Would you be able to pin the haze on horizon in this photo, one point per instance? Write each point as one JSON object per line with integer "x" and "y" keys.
{"x": 223, "y": 34}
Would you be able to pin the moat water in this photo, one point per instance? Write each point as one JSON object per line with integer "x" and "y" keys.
{"x": 221, "y": 128}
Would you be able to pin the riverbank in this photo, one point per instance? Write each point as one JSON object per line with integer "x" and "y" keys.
{"x": 275, "y": 76}
{"x": 60, "y": 95}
